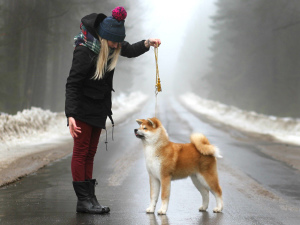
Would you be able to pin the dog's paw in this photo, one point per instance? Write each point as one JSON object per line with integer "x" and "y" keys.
{"x": 217, "y": 210}
{"x": 150, "y": 210}
{"x": 162, "y": 212}
{"x": 202, "y": 209}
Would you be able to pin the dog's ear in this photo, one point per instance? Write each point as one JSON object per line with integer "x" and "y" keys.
{"x": 151, "y": 123}
{"x": 139, "y": 121}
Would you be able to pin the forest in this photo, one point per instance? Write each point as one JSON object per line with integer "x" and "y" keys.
{"x": 36, "y": 46}
{"x": 254, "y": 63}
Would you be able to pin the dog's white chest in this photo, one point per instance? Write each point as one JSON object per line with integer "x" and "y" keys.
{"x": 153, "y": 162}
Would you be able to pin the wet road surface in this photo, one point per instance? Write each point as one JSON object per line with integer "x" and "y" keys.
{"x": 256, "y": 188}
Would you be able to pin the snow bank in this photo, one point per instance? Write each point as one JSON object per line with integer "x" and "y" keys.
{"x": 286, "y": 130}
{"x": 35, "y": 126}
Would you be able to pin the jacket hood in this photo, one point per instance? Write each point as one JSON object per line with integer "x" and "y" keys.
{"x": 92, "y": 22}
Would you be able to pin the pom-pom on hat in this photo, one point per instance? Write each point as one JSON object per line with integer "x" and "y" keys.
{"x": 119, "y": 13}
{"x": 112, "y": 28}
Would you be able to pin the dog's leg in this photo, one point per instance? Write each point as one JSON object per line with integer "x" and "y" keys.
{"x": 165, "y": 194}
{"x": 202, "y": 187}
{"x": 213, "y": 183}
{"x": 154, "y": 192}
{"x": 219, "y": 201}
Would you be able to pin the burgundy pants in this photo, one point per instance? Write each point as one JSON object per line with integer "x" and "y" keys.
{"x": 84, "y": 150}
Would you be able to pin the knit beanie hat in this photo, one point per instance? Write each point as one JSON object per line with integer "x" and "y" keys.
{"x": 112, "y": 28}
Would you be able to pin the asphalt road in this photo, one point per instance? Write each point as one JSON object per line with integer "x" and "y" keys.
{"x": 256, "y": 188}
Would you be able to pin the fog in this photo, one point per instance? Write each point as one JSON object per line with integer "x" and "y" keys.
{"x": 174, "y": 23}
{"x": 241, "y": 53}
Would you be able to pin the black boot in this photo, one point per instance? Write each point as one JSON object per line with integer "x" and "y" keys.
{"x": 94, "y": 200}
{"x": 84, "y": 203}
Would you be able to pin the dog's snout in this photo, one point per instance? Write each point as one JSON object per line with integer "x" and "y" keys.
{"x": 138, "y": 133}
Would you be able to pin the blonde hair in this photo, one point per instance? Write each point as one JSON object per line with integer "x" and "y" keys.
{"x": 104, "y": 57}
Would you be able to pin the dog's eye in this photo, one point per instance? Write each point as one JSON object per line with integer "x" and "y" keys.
{"x": 145, "y": 128}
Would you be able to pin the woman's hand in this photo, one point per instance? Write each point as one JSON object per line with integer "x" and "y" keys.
{"x": 74, "y": 130}
{"x": 152, "y": 42}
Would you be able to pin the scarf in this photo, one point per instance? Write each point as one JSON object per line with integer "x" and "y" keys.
{"x": 84, "y": 38}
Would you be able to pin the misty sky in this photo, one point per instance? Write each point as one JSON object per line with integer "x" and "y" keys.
{"x": 169, "y": 20}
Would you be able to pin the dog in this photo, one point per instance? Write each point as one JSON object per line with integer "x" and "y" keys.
{"x": 166, "y": 161}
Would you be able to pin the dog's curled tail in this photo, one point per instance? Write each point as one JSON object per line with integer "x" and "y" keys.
{"x": 203, "y": 146}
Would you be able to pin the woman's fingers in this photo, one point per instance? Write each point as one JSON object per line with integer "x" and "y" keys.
{"x": 155, "y": 42}
{"x": 77, "y": 129}
{"x": 74, "y": 130}
{"x": 158, "y": 42}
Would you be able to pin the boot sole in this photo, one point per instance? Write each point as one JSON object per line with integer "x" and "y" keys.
{"x": 91, "y": 212}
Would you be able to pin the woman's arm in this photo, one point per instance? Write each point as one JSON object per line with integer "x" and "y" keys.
{"x": 78, "y": 73}
{"x": 139, "y": 48}
{"x": 133, "y": 50}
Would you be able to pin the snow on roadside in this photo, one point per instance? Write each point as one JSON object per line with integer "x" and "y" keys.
{"x": 36, "y": 126}
{"x": 286, "y": 130}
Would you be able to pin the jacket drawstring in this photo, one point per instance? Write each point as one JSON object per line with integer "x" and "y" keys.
{"x": 112, "y": 134}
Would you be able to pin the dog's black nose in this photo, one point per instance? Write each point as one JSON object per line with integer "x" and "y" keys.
{"x": 135, "y": 130}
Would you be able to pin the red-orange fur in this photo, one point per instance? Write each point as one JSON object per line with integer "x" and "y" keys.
{"x": 182, "y": 160}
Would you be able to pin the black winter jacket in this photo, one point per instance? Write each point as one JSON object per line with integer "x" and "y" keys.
{"x": 89, "y": 100}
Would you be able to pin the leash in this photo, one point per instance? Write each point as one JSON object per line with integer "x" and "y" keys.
{"x": 157, "y": 81}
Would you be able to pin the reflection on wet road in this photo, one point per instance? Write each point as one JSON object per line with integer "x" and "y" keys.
{"x": 256, "y": 188}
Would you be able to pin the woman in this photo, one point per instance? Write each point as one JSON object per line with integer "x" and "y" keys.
{"x": 88, "y": 94}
